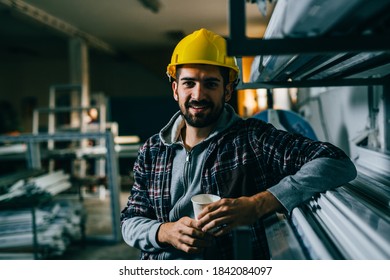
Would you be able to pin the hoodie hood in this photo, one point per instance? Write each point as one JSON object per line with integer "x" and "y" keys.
{"x": 170, "y": 133}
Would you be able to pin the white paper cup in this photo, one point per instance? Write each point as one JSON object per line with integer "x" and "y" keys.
{"x": 200, "y": 201}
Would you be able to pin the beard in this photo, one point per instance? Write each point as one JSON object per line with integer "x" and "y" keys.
{"x": 204, "y": 118}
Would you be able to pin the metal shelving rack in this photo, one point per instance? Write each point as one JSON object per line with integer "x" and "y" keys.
{"x": 355, "y": 205}
{"x": 238, "y": 44}
{"x": 33, "y": 158}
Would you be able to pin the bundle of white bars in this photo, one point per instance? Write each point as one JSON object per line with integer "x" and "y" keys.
{"x": 57, "y": 223}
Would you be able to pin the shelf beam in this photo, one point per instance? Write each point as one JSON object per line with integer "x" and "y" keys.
{"x": 313, "y": 83}
{"x": 238, "y": 44}
{"x": 312, "y": 45}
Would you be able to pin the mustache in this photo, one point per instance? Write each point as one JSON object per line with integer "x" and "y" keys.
{"x": 200, "y": 103}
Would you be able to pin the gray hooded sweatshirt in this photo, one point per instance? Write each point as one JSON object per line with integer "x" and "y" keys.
{"x": 185, "y": 184}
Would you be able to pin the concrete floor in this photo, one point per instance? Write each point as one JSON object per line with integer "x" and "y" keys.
{"x": 98, "y": 223}
{"x": 104, "y": 251}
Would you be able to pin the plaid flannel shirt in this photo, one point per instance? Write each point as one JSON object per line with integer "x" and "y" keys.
{"x": 249, "y": 157}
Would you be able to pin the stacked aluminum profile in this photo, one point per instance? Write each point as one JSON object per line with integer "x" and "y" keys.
{"x": 33, "y": 222}
{"x": 319, "y": 18}
{"x": 351, "y": 222}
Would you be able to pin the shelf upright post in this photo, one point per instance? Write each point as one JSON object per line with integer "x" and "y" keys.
{"x": 386, "y": 116}
{"x": 237, "y": 23}
{"x": 101, "y": 104}
{"x": 51, "y": 116}
{"x": 113, "y": 184}
{"x": 34, "y": 232}
{"x": 33, "y": 154}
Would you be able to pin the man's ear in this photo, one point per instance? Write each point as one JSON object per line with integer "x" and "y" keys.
{"x": 174, "y": 90}
{"x": 228, "y": 92}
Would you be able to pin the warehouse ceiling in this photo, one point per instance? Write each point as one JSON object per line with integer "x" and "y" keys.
{"x": 124, "y": 26}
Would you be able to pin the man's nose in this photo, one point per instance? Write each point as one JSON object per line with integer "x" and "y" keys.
{"x": 197, "y": 92}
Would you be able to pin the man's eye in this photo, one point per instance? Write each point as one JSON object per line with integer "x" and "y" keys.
{"x": 188, "y": 84}
{"x": 212, "y": 85}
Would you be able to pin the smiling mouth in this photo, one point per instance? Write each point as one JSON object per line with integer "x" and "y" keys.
{"x": 198, "y": 109}
{"x": 199, "y": 106}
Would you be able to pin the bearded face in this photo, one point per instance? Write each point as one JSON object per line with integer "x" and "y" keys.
{"x": 200, "y": 93}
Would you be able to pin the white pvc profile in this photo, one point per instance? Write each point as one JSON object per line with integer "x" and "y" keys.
{"x": 314, "y": 245}
{"x": 380, "y": 213}
{"x": 48, "y": 179}
{"x": 353, "y": 243}
{"x": 58, "y": 188}
{"x": 375, "y": 239}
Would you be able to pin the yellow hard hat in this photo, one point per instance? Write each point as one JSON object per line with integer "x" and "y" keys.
{"x": 202, "y": 47}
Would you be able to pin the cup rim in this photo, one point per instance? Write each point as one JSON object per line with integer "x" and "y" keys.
{"x": 214, "y": 198}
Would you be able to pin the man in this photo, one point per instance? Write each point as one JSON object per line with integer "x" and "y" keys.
{"x": 207, "y": 148}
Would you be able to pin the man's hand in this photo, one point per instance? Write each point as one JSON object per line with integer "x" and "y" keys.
{"x": 184, "y": 235}
{"x": 228, "y": 213}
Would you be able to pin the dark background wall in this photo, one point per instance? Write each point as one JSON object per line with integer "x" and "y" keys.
{"x": 137, "y": 91}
